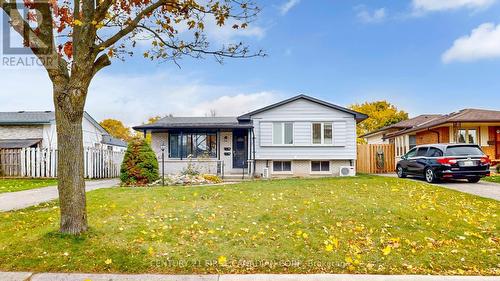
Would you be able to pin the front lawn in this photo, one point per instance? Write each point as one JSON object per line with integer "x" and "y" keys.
{"x": 11, "y": 185}
{"x": 495, "y": 178}
{"x": 368, "y": 224}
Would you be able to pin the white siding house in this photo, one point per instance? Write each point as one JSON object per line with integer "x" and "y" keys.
{"x": 300, "y": 136}
{"x": 24, "y": 129}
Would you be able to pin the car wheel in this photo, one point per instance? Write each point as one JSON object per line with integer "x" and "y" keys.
{"x": 430, "y": 177}
{"x": 401, "y": 173}
{"x": 474, "y": 180}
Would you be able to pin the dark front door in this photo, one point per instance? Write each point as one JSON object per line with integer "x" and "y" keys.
{"x": 240, "y": 149}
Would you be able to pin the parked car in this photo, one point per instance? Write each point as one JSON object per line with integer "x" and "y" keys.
{"x": 445, "y": 161}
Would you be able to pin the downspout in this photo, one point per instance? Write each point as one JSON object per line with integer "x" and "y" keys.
{"x": 218, "y": 144}
{"x": 253, "y": 145}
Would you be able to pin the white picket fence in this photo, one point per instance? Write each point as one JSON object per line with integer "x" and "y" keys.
{"x": 42, "y": 163}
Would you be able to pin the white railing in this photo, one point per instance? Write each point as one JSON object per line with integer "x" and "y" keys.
{"x": 42, "y": 163}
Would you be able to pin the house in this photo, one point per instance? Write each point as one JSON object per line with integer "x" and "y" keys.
{"x": 25, "y": 129}
{"x": 477, "y": 126}
{"x": 300, "y": 136}
{"x": 378, "y": 136}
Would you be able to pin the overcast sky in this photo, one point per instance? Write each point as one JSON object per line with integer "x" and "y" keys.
{"x": 426, "y": 56}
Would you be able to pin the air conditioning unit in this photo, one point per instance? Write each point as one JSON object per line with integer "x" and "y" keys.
{"x": 265, "y": 173}
{"x": 347, "y": 171}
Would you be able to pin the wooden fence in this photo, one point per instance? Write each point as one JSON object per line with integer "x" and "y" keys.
{"x": 376, "y": 158}
{"x": 42, "y": 163}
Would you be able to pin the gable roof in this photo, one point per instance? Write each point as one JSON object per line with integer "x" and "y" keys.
{"x": 171, "y": 122}
{"x": 471, "y": 115}
{"x": 357, "y": 115}
{"x": 406, "y": 124}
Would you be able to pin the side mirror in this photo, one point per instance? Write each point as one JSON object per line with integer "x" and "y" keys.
{"x": 404, "y": 157}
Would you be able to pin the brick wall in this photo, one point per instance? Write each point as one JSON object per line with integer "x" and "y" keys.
{"x": 21, "y": 132}
{"x": 428, "y": 137}
{"x": 490, "y": 150}
{"x": 302, "y": 168}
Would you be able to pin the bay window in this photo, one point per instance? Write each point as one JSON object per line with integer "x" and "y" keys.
{"x": 198, "y": 145}
{"x": 282, "y": 133}
{"x": 322, "y": 133}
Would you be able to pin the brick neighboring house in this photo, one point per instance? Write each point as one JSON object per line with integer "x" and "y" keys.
{"x": 478, "y": 126}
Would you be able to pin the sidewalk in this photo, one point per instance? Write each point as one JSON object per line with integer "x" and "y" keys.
{"x": 23, "y": 276}
{"x": 22, "y": 199}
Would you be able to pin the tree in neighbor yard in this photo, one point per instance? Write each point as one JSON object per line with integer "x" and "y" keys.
{"x": 380, "y": 114}
{"x": 116, "y": 129}
{"x": 76, "y": 39}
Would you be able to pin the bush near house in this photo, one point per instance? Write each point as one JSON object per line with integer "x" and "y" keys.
{"x": 139, "y": 166}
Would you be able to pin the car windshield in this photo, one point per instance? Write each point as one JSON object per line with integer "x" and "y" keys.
{"x": 463, "y": 151}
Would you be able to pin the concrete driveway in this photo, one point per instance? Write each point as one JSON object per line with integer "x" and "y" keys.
{"x": 22, "y": 199}
{"x": 483, "y": 188}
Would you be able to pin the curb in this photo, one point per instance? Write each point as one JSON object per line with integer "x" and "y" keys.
{"x": 27, "y": 276}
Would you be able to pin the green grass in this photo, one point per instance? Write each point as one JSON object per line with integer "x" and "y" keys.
{"x": 495, "y": 178}
{"x": 11, "y": 185}
{"x": 358, "y": 225}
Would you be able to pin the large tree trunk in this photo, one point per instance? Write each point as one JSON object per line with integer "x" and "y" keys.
{"x": 69, "y": 103}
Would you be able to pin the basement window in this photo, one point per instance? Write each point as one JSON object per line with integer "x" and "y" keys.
{"x": 320, "y": 166}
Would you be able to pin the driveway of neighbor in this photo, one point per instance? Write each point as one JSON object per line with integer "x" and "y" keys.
{"x": 22, "y": 199}
{"x": 25, "y": 276}
{"x": 483, "y": 188}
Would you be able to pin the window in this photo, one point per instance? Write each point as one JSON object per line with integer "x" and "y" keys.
{"x": 467, "y": 136}
{"x": 422, "y": 151}
{"x": 197, "y": 145}
{"x": 472, "y": 136}
{"x": 320, "y": 166}
{"x": 412, "y": 141}
{"x": 463, "y": 151}
{"x": 282, "y": 133}
{"x": 282, "y": 166}
{"x": 322, "y": 133}
{"x": 462, "y": 136}
{"x": 434, "y": 152}
{"x": 411, "y": 153}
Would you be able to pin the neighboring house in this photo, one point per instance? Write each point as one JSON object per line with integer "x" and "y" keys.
{"x": 378, "y": 136}
{"x": 476, "y": 126}
{"x": 25, "y": 129}
{"x": 300, "y": 136}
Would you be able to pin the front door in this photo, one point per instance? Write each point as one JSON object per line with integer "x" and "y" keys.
{"x": 240, "y": 149}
